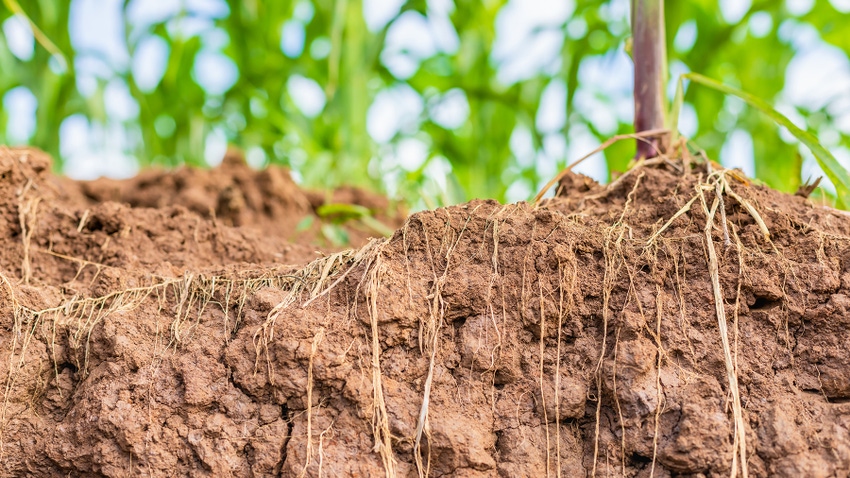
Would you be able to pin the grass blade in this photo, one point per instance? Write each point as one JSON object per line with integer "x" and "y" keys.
{"x": 39, "y": 35}
{"x": 831, "y": 167}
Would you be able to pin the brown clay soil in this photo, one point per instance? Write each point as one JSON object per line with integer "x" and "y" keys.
{"x": 177, "y": 324}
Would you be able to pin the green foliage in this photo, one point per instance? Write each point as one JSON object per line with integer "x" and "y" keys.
{"x": 338, "y": 213}
{"x": 350, "y": 64}
{"x": 39, "y": 35}
{"x": 48, "y": 79}
{"x": 831, "y": 167}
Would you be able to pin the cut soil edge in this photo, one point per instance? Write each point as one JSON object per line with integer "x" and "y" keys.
{"x": 581, "y": 336}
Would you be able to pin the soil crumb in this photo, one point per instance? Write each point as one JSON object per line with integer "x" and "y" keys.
{"x": 678, "y": 322}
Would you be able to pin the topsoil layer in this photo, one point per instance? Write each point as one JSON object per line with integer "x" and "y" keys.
{"x": 679, "y": 322}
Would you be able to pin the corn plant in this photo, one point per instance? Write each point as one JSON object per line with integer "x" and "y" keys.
{"x": 499, "y": 144}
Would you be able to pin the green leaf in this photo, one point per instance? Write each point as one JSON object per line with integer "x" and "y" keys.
{"x": 39, "y": 35}
{"x": 335, "y": 234}
{"x": 342, "y": 212}
{"x": 833, "y": 169}
{"x": 377, "y": 226}
{"x": 305, "y": 223}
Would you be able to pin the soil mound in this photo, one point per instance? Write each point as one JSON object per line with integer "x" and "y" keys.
{"x": 234, "y": 195}
{"x": 677, "y": 322}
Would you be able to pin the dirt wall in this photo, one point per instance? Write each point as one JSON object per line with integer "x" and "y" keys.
{"x": 649, "y": 328}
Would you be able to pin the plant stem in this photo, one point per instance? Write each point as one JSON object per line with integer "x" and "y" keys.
{"x": 650, "y": 58}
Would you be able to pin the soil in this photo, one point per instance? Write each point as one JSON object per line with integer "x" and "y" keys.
{"x": 678, "y": 322}
{"x": 266, "y": 201}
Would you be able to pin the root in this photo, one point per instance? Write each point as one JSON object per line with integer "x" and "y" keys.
{"x": 380, "y": 420}
{"x": 496, "y": 277}
{"x": 718, "y": 182}
{"x": 608, "y": 280}
{"x": 683, "y": 319}
{"x": 740, "y": 248}
{"x": 10, "y": 378}
{"x": 642, "y": 136}
{"x": 186, "y": 297}
{"x": 83, "y": 220}
{"x": 740, "y": 431}
{"x": 314, "y": 346}
{"x": 540, "y": 370}
{"x": 658, "y": 314}
{"x": 750, "y": 209}
{"x": 683, "y": 210}
{"x": 311, "y": 280}
{"x": 82, "y": 263}
{"x": 429, "y": 335}
{"x": 617, "y": 403}
{"x": 321, "y": 446}
{"x": 79, "y": 317}
{"x": 613, "y": 263}
{"x": 495, "y": 282}
{"x": 563, "y": 311}
{"x": 428, "y": 343}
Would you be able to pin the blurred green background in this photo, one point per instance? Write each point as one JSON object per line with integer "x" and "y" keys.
{"x": 433, "y": 102}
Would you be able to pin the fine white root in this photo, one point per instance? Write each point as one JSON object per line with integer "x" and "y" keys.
{"x": 737, "y": 411}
